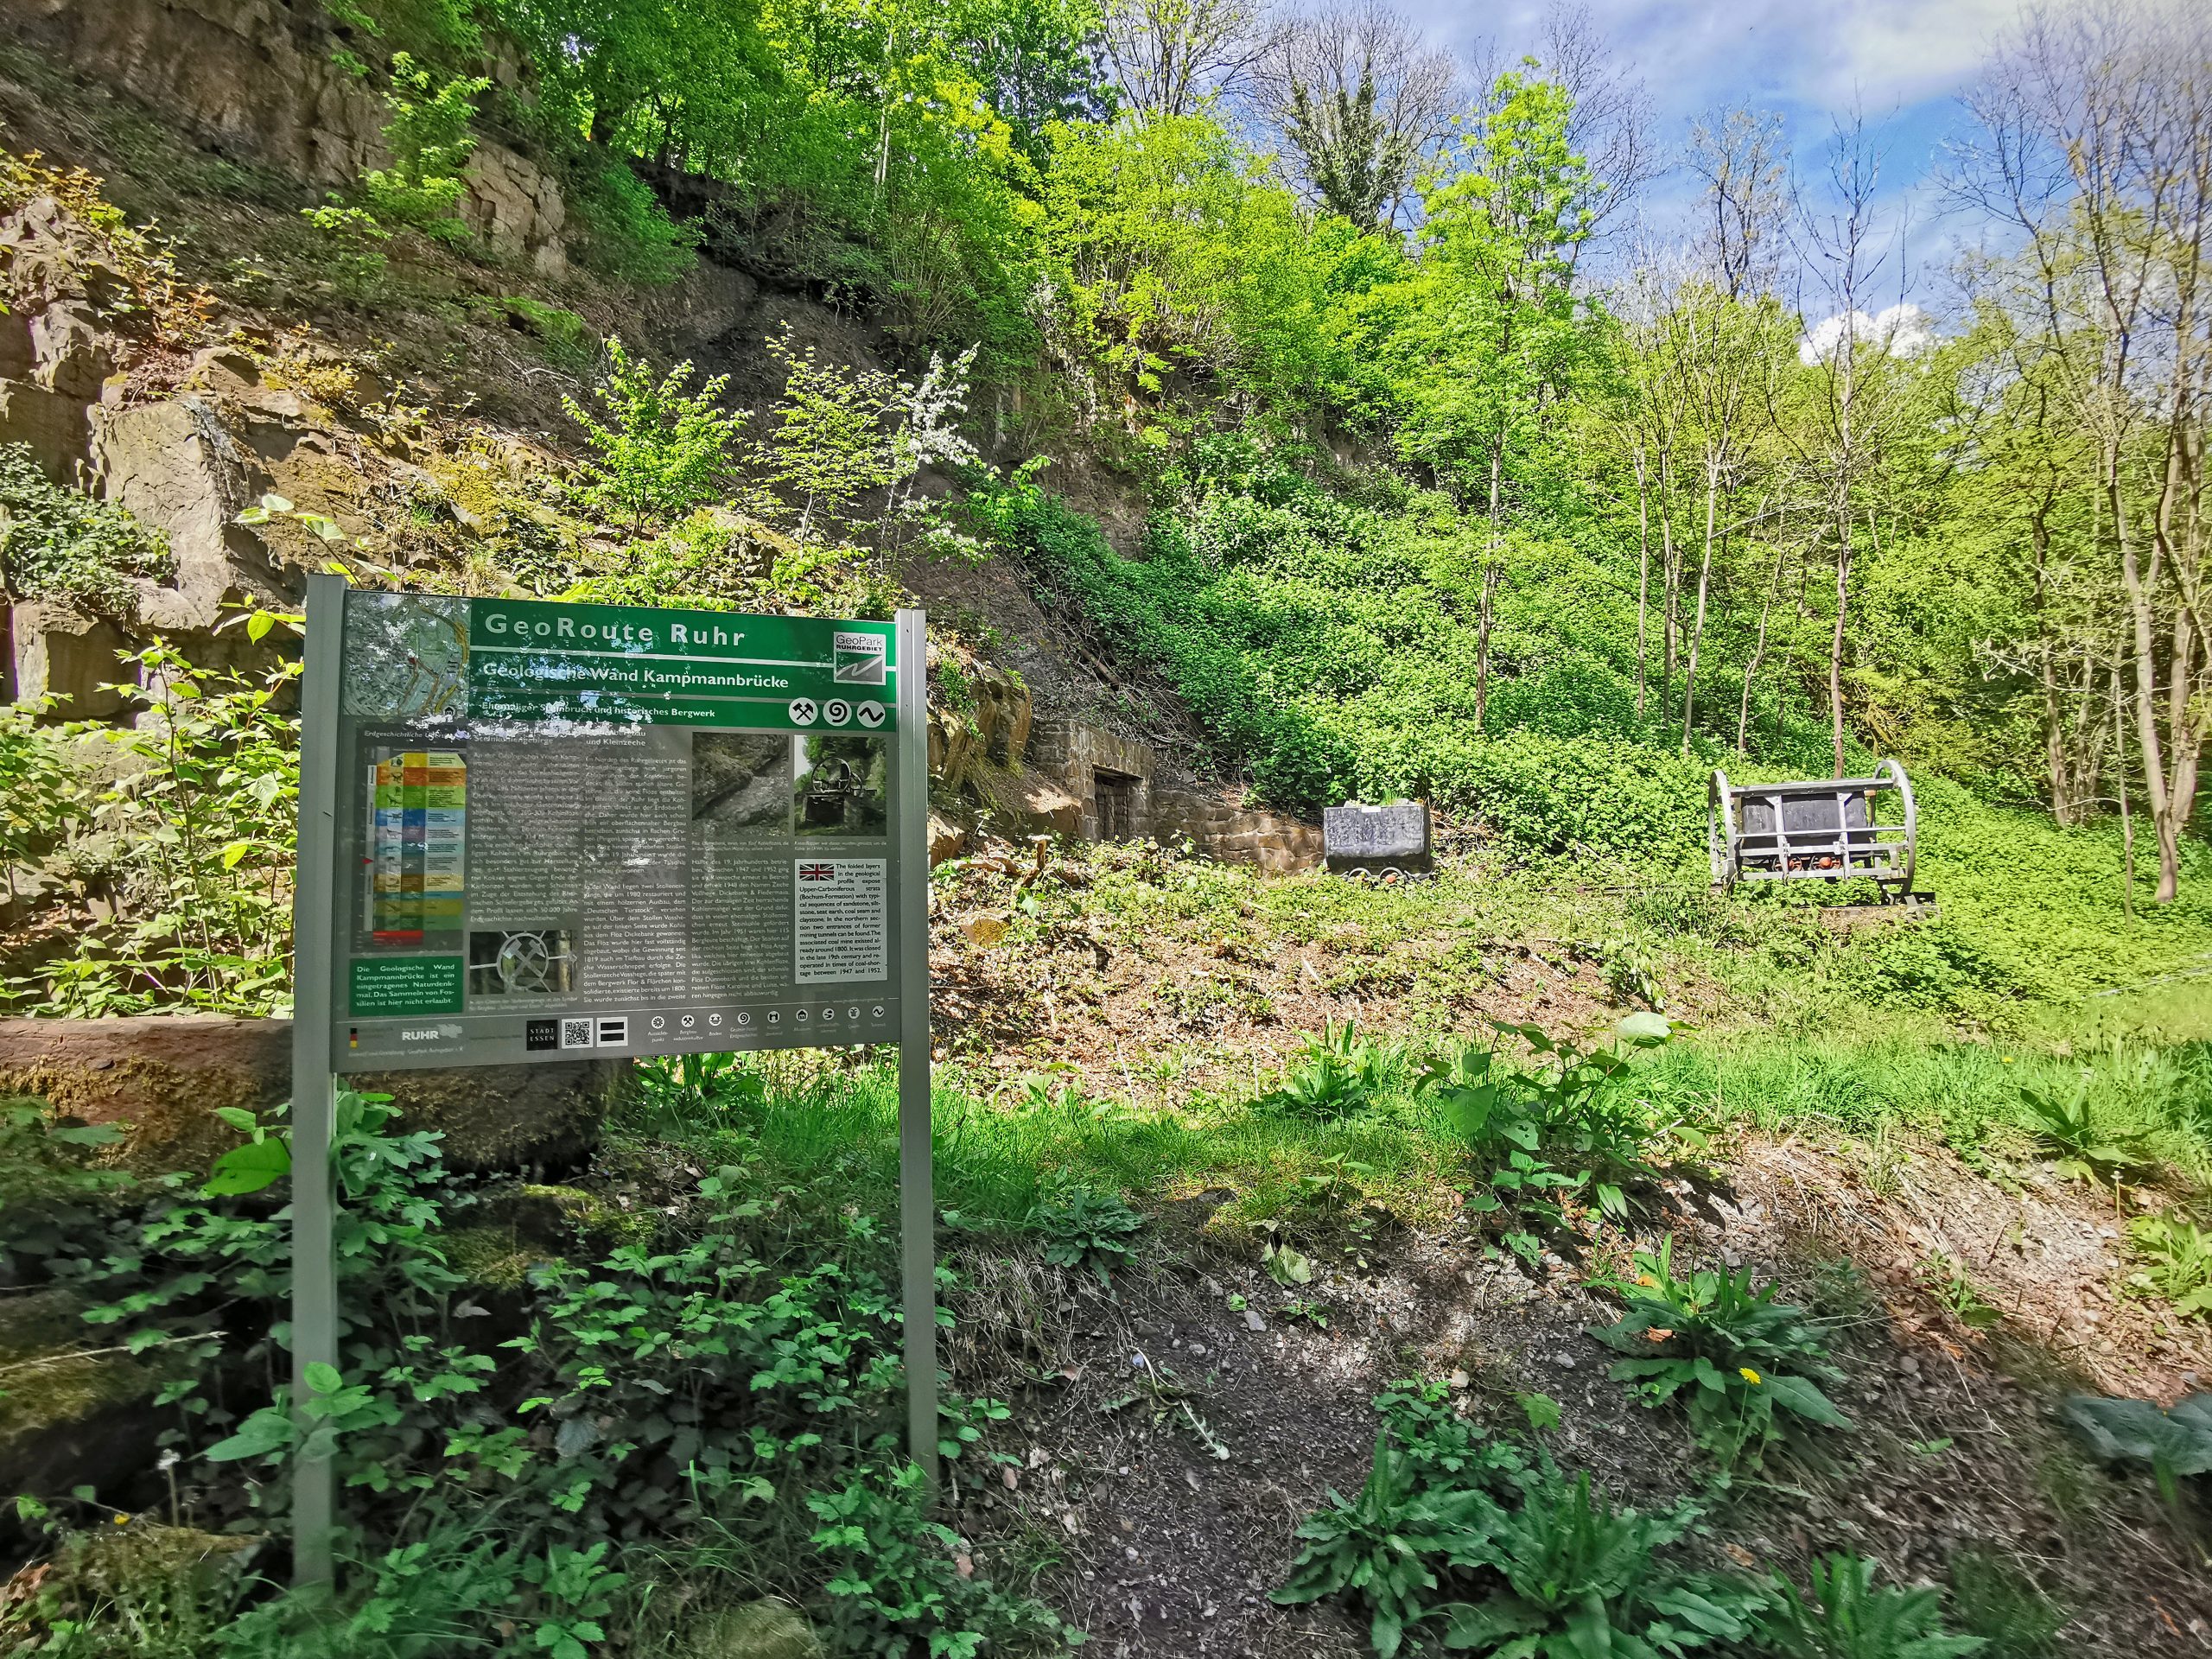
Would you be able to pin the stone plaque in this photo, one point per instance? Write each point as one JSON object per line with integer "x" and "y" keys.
{"x": 1357, "y": 834}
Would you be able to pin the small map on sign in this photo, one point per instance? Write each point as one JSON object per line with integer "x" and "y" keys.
{"x": 406, "y": 655}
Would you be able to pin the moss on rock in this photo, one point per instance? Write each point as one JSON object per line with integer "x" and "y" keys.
{"x": 759, "y": 1630}
{"x": 73, "y": 1411}
{"x": 494, "y": 1257}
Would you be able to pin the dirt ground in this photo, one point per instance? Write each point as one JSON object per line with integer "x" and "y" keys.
{"x": 1173, "y": 1442}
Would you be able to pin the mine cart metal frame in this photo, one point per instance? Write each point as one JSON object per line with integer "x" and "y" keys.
{"x": 1821, "y": 829}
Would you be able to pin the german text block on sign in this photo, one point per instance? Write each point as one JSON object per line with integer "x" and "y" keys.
{"x": 606, "y": 828}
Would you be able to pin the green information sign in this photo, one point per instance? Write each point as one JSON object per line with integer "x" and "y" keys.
{"x": 604, "y": 829}
{"x": 537, "y": 831}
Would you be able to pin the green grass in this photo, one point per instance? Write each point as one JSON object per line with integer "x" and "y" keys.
{"x": 836, "y": 1136}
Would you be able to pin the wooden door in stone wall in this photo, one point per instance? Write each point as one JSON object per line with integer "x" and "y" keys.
{"x": 1117, "y": 805}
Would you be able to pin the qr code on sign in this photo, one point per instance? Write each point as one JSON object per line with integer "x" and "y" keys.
{"x": 575, "y": 1033}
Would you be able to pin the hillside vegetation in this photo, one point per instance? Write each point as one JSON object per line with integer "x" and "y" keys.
{"x": 1554, "y": 1257}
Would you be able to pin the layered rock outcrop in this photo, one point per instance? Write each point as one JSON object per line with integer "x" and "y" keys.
{"x": 260, "y": 79}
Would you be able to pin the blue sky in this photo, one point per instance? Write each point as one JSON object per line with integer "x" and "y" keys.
{"x": 1905, "y": 61}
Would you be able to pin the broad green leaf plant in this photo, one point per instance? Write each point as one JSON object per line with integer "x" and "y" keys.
{"x": 1742, "y": 1355}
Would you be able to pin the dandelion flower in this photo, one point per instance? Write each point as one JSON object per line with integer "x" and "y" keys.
{"x": 1748, "y": 1375}
{"x": 122, "y": 1520}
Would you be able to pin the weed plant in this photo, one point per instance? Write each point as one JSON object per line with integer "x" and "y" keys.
{"x": 2176, "y": 1261}
{"x": 1742, "y": 1355}
{"x": 1474, "y": 1543}
{"x": 1843, "y": 1616}
{"x": 1085, "y": 1229}
{"x": 1561, "y": 1127}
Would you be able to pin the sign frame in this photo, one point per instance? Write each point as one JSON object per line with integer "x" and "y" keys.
{"x": 316, "y": 922}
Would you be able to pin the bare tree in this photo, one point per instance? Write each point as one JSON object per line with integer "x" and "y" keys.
{"x": 1844, "y": 247}
{"x": 1742, "y": 157}
{"x": 1169, "y": 55}
{"x": 1361, "y": 101}
{"x": 2096, "y": 146}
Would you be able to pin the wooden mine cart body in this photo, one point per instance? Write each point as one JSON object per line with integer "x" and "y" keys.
{"x": 1822, "y": 829}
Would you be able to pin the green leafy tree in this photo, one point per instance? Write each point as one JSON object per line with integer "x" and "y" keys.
{"x": 1495, "y": 336}
{"x": 662, "y": 450}
{"x": 430, "y": 135}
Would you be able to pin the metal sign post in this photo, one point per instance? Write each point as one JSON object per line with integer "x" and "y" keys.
{"x": 315, "y": 1267}
{"x": 917, "y": 1175}
{"x": 533, "y": 830}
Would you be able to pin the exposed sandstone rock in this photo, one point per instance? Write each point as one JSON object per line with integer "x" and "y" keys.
{"x": 164, "y": 1075}
{"x": 257, "y": 78}
{"x": 54, "y": 650}
{"x": 77, "y": 313}
{"x": 175, "y": 464}
{"x": 516, "y": 208}
{"x": 53, "y": 425}
{"x": 69, "y": 1416}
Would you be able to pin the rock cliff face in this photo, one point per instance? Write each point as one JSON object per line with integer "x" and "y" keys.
{"x": 257, "y": 79}
{"x": 163, "y": 1078}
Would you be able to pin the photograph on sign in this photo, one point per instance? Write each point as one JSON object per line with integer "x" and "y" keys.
{"x": 566, "y": 828}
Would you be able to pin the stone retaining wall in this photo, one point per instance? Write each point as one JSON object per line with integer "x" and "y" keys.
{"x": 1164, "y": 805}
{"x": 1243, "y": 835}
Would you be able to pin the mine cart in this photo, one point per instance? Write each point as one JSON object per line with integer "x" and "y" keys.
{"x": 1377, "y": 843}
{"x": 1824, "y": 829}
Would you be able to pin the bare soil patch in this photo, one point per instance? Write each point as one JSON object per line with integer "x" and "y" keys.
{"x": 1125, "y": 1403}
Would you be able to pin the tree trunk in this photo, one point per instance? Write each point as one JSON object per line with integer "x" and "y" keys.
{"x": 1643, "y": 577}
{"x": 2142, "y": 615}
{"x": 1758, "y": 651}
{"x": 1489, "y": 585}
{"x": 1836, "y": 644}
{"x": 1704, "y": 582}
{"x": 2126, "y": 821}
{"x": 1671, "y": 581}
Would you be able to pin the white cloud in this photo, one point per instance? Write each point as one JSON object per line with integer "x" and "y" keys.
{"x": 1899, "y": 330}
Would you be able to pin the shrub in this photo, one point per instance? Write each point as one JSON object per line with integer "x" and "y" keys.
{"x": 198, "y": 855}
{"x": 41, "y": 792}
{"x": 665, "y": 451}
{"x": 627, "y": 232}
{"x": 61, "y": 544}
{"x": 431, "y": 140}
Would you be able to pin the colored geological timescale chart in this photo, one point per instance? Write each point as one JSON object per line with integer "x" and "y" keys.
{"x": 418, "y": 838}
